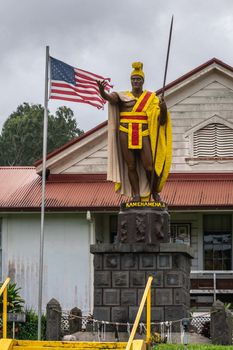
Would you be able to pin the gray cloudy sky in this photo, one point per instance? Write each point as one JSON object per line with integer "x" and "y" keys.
{"x": 105, "y": 37}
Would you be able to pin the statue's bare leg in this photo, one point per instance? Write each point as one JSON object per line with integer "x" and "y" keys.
{"x": 129, "y": 156}
{"x": 147, "y": 162}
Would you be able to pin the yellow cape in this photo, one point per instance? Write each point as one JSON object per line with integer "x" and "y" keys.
{"x": 117, "y": 169}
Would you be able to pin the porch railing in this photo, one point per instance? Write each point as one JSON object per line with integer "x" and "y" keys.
{"x": 3, "y": 292}
{"x": 216, "y": 278}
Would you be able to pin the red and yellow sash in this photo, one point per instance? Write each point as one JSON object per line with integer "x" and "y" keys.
{"x": 135, "y": 119}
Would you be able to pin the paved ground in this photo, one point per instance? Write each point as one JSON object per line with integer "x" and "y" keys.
{"x": 110, "y": 336}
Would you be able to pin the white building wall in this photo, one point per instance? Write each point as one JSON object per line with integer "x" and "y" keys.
{"x": 67, "y": 264}
{"x": 196, "y": 235}
{"x": 93, "y": 163}
{"x": 200, "y": 102}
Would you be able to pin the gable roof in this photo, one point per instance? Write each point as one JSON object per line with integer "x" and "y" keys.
{"x": 71, "y": 142}
{"x": 20, "y": 190}
{"x": 69, "y": 147}
{"x": 213, "y": 119}
{"x": 74, "y": 149}
{"x": 212, "y": 63}
{"x": 20, "y": 187}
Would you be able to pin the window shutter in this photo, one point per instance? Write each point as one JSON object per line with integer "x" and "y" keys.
{"x": 214, "y": 140}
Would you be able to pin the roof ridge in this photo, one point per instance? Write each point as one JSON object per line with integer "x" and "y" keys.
{"x": 194, "y": 71}
{"x": 73, "y": 141}
{"x": 14, "y": 167}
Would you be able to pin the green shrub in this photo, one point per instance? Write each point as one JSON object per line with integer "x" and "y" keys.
{"x": 29, "y": 329}
{"x": 192, "y": 347}
{"x": 205, "y": 329}
{"x": 14, "y": 301}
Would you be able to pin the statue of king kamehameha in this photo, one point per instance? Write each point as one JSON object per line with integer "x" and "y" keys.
{"x": 139, "y": 139}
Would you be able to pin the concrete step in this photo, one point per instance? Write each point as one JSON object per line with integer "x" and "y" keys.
{"x": 193, "y": 338}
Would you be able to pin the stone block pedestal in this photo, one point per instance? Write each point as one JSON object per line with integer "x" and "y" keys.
{"x": 121, "y": 270}
{"x": 120, "y": 276}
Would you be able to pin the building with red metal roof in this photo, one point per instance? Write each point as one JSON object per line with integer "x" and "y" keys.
{"x": 81, "y": 205}
{"x": 80, "y": 192}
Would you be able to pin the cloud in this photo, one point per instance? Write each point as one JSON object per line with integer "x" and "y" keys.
{"x": 105, "y": 37}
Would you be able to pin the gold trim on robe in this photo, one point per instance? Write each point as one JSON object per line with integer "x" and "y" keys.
{"x": 117, "y": 168}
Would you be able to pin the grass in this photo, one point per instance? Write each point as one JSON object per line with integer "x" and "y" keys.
{"x": 192, "y": 347}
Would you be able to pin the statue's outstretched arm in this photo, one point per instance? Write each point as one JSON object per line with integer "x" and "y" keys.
{"x": 113, "y": 98}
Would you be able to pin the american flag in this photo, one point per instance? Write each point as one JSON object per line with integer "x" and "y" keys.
{"x": 74, "y": 84}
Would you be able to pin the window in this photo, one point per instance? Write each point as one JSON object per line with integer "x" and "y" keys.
{"x": 213, "y": 140}
{"x": 217, "y": 242}
{"x": 180, "y": 233}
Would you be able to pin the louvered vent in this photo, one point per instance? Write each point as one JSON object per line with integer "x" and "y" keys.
{"x": 214, "y": 140}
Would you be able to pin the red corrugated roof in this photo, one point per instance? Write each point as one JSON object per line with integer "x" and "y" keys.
{"x": 193, "y": 191}
{"x": 20, "y": 189}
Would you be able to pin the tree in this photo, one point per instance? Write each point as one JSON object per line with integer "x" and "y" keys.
{"x": 21, "y": 139}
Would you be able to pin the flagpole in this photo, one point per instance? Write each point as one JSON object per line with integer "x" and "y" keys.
{"x": 41, "y": 255}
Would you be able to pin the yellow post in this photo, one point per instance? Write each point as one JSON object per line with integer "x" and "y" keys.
{"x": 3, "y": 292}
{"x": 4, "y": 314}
{"x": 148, "y": 317}
{"x": 139, "y": 313}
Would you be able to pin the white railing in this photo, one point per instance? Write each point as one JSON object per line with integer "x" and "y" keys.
{"x": 201, "y": 274}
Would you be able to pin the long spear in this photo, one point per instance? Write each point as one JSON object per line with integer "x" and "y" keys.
{"x": 162, "y": 96}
